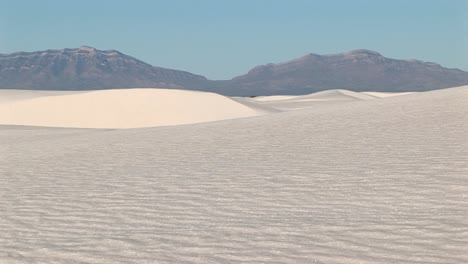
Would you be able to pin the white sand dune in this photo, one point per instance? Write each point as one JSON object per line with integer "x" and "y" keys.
{"x": 384, "y": 95}
{"x": 367, "y": 181}
{"x": 324, "y": 97}
{"x": 123, "y": 108}
{"x": 273, "y": 98}
{"x": 333, "y": 95}
{"x": 319, "y": 99}
{"x": 8, "y": 96}
{"x": 329, "y": 95}
{"x": 253, "y": 104}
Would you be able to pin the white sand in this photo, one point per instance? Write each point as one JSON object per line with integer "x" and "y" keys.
{"x": 8, "y": 96}
{"x": 273, "y": 98}
{"x": 364, "y": 181}
{"x": 329, "y": 95}
{"x": 124, "y": 108}
{"x": 314, "y": 100}
{"x": 295, "y": 102}
{"x": 384, "y": 95}
{"x": 333, "y": 95}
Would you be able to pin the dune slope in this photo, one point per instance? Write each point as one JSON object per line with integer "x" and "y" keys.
{"x": 125, "y": 108}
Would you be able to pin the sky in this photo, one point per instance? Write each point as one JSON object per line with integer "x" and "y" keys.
{"x": 221, "y": 39}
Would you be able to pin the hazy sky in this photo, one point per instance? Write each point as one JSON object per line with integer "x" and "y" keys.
{"x": 224, "y": 38}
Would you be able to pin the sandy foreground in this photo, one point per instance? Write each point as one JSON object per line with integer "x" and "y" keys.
{"x": 336, "y": 177}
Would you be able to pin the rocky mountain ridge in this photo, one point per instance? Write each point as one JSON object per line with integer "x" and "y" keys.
{"x": 87, "y": 68}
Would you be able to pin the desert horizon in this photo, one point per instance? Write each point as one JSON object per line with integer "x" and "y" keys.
{"x": 299, "y": 131}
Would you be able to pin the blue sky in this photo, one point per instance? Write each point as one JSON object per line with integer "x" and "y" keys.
{"x": 221, "y": 39}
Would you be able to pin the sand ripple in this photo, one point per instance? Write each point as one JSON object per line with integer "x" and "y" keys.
{"x": 379, "y": 181}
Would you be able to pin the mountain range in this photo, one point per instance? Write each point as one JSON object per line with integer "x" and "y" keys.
{"x": 87, "y": 68}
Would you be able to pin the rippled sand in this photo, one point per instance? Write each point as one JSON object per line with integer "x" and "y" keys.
{"x": 365, "y": 181}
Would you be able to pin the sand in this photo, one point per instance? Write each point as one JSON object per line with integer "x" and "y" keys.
{"x": 122, "y": 108}
{"x": 314, "y": 100}
{"x": 138, "y": 108}
{"x": 356, "y": 181}
{"x": 8, "y": 96}
{"x": 383, "y": 94}
{"x": 329, "y": 95}
{"x": 273, "y": 98}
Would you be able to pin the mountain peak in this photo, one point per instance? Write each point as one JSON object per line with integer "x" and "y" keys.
{"x": 87, "y": 49}
{"x": 363, "y": 52}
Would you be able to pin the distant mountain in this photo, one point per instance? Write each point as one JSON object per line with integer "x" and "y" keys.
{"x": 358, "y": 70}
{"x": 85, "y": 68}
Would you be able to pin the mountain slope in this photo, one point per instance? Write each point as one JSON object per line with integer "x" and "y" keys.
{"x": 358, "y": 70}
{"x": 85, "y": 68}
